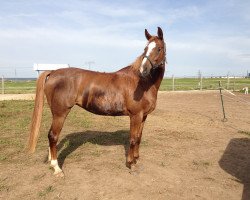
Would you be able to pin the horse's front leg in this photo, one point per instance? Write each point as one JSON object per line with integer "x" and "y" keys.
{"x": 137, "y": 145}
{"x": 135, "y": 127}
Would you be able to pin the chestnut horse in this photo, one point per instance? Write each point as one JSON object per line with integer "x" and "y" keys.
{"x": 131, "y": 91}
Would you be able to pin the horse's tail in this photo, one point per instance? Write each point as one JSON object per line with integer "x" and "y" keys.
{"x": 37, "y": 112}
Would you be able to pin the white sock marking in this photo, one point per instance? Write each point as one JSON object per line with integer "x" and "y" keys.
{"x": 56, "y": 167}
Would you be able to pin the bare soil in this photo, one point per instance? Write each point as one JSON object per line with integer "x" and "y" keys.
{"x": 17, "y": 97}
{"x": 187, "y": 152}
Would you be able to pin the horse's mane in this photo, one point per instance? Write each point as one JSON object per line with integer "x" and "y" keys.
{"x": 137, "y": 63}
{"x": 135, "y": 66}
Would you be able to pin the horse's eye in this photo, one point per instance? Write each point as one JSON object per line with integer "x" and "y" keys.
{"x": 159, "y": 49}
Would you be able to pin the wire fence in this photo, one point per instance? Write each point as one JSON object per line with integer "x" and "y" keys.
{"x": 28, "y": 85}
{"x": 232, "y": 97}
{"x": 204, "y": 83}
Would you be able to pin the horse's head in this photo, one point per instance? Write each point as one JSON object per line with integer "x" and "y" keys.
{"x": 154, "y": 55}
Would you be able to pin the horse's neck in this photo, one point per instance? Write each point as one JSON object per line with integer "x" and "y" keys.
{"x": 153, "y": 80}
{"x": 157, "y": 77}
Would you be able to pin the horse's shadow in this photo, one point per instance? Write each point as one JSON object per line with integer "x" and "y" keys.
{"x": 74, "y": 140}
{"x": 236, "y": 161}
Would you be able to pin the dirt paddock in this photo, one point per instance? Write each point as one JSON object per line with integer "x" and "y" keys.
{"x": 187, "y": 152}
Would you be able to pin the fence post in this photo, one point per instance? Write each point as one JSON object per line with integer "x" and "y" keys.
{"x": 173, "y": 82}
{"x": 2, "y": 84}
{"x": 222, "y": 104}
{"x": 234, "y": 84}
{"x": 228, "y": 82}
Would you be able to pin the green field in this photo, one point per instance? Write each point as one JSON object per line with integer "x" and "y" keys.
{"x": 19, "y": 87}
{"x": 22, "y": 87}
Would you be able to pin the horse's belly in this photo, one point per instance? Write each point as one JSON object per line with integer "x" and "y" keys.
{"x": 106, "y": 109}
{"x": 106, "y": 105}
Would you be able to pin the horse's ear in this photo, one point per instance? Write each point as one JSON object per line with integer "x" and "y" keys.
{"x": 148, "y": 36}
{"x": 160, "y": 33}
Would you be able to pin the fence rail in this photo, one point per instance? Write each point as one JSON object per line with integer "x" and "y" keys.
{"x": 168, "y": 84}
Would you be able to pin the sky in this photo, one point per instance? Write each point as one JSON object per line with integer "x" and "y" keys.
{"x": 211, "y": 37}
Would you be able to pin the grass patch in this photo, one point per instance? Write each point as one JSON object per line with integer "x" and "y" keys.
{"x": 11, "y": 142}
{"x": 3, "y": 157}
{"x": 201, "y": 163}
{"x": 46, "y": 191}
{"x": 209, "y": 178}
{"x": 3, "y": 186}
{"x": 15, "y": 119}
{"x": 96, "y": 152}
{"x": 144, "y": 143}
{"x": 163, "y": 164}
{"x": 244, "y": 132}
{"x": 16, "y": 113}
{"x": 78, "y": 117}
{"x": 19, "y": 87}
{"x": 39, "y": 177}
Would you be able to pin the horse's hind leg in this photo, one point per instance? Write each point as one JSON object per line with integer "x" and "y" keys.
{"x": 56, "y": 127}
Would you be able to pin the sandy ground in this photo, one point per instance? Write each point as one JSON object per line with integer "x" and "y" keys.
{"x": 17, "y": 97}
{"x": 187, "y": 152}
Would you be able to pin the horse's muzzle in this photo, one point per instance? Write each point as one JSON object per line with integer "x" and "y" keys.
{"x": 144, "y": 74}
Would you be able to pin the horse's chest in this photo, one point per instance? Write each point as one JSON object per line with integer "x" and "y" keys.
{"x": 150, "y": 106}
{"x": 146, "y": 104}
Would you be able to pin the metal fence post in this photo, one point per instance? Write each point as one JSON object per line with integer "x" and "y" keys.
{"x": 201, "y": 83}
{"x": 173, "y": 83}
{"x": 228, "y": 81}
{"x": 234, "y": 84}
{"x": 222, "y": 103}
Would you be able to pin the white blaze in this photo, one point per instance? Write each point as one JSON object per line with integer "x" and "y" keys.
{"x": 151, "y": 46}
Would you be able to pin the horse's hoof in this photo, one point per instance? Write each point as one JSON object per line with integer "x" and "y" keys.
{"x": 59, "y": 174}
{"x": 136, "y": 161}
{"x": 128, "y": 164}
{"x": 134, "y": 170}
{"x": 132, "y": 163}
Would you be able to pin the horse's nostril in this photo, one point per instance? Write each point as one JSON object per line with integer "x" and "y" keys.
{"x": 144, "y": 74}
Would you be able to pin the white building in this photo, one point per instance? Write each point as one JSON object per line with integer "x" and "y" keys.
{"x": 45, "y": 67}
